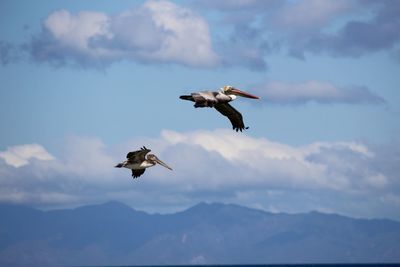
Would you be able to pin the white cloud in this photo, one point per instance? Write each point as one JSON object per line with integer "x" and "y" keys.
{"x": 86, "y": 157}
{"x": 318, "y": 91}
{"x": 20, "y": 155}
{"x": 156, "y": 32}
{"x": 75, "y": 31}
{"x": 189, "y": 41}
{"x": 260, "y": 162}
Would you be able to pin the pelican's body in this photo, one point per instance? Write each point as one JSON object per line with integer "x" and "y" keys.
{"x": 137, "y": 161}
{"x": 142, "y": 165}
{"x": 220, "y": 101}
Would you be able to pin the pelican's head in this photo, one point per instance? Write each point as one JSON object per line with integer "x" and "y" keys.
{"x": 230, "y": 90}
{"x": 154, "y": 159}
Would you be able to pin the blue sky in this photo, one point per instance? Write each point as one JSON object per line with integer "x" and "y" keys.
{"x": 84, "y": 82}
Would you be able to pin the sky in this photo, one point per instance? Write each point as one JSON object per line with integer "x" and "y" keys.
{"x": 82, "y": 83}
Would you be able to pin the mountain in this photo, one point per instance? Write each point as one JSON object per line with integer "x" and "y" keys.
{"x": 115, "y": 234}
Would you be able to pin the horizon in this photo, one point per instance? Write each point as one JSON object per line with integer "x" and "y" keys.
{"x": 193, "y": 206}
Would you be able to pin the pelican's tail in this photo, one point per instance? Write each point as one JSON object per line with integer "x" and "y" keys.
{"x": 187, "y": 97}
{"x": 119, "y": 165}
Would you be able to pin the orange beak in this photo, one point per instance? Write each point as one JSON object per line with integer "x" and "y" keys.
{"x": 162, "y": 163}
{"x": 243, "y": 94}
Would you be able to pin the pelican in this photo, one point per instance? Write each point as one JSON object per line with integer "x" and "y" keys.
{"x": 220, "y": 101}
{"x": 137, "y": 161}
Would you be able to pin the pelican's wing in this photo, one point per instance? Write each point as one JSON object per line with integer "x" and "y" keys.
{"x": 203, "y": 96}
{"x": 208, "y": 95}
{"x": 233, "y": 115}
{"x": 137, "y": 173}
{"x": 138, "y": 156}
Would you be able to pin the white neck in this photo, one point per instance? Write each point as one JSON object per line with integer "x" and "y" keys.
{"x": 146, "y": 164}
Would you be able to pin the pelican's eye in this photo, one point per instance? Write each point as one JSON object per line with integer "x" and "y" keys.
{"x": 227, "y": 88}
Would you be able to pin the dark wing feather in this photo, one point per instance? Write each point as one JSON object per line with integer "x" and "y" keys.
{"x": 233, "y": 115}
{"x": 137, "y": 173}
{"x": 138, "y": 156}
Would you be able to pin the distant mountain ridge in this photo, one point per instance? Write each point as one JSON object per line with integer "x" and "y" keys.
{"x": 115, "y": 234}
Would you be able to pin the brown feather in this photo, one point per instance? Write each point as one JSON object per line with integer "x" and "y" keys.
{"x": 138, "y": 156}
{"x": 137, "y": 173}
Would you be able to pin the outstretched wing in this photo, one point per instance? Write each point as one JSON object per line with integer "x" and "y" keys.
{"x": 138, "y": 156}
{"x": 137, "y": 173}
{"x": 233, "y": 115}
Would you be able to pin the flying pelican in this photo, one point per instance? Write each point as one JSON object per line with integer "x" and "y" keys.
{"x": 138, "y": 162}
{"x": 219, "y": 100}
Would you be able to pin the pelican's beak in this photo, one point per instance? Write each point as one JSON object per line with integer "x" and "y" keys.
{"x": 244, "y": 94}
{"x": 162, "y": 163}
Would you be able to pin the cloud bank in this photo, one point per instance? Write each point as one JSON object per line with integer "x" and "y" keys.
{"x": 211, "y": 166}
{"x": 155, "y": 32}
{"x": 214, "y": 34}
{"x": 315, "y": 91}
{"x": 344, "y": 28}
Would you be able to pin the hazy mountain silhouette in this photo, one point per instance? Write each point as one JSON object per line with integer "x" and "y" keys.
{"x": 115, "y": 234}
